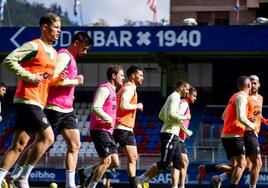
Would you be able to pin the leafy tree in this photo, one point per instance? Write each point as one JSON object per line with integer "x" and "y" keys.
{"x": 22, "y": 13}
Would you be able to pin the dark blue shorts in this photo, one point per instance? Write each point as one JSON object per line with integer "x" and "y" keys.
{"x": 30, "y": 118}
{"x": 60, "y": 120}
{"x": 104, "y": 143}
{"x": 124, "y": 137}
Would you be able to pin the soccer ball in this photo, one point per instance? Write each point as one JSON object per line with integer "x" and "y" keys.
{"x": 53, "y": 185}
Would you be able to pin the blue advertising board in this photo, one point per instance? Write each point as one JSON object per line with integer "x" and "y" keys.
{"x": 120, "y": 176}
{"x": 152, "y": 39}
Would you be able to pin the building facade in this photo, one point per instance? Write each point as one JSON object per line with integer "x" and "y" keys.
{"x": 217, "y": 12}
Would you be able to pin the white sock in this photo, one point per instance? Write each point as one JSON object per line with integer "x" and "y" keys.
{"x": 92, "y": 184}
{"x": 70, "y": 178}
{"x": 88, "y": 171}
{"x": 175, "y": 186}
{"x": 223, "y": 176}
{"x": 26, "y": 171}
{"x": 252, "y": 186}
{"x": 3, "y": 173}
{"x": 16, "y": 172}
{"x": 181, "y": 186}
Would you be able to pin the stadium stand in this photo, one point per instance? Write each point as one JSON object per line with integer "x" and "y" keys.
{"x": 204, "y": 145}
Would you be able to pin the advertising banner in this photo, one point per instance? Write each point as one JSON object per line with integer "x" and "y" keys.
{"x": 152, "y": 39}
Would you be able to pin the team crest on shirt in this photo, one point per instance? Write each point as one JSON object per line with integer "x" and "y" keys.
{"x": 107, "y": 150}
{"x": 46, "y": 75}
{"x": 44, "y": 120}
{"x": 117, "y": 145}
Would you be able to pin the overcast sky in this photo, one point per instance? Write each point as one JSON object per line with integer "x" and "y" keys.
{"x": 113, "y": 11}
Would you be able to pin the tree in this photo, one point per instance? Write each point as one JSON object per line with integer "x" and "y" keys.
{"x": 22, "y": 13}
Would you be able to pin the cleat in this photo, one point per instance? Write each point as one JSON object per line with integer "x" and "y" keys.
{"x": 21, "y": 183}
{"x": 139, "y": 183}
{"x": 88, "y": 179}
{"x": 82, "y": 177}
{"x": 10, "y": 181}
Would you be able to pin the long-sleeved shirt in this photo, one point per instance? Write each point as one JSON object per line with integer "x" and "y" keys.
{"x": 100, "y": 98}
{"x": 63, "y": 60}
{"x": 241, "y": 103}
{"x": 171, "y": 116}
{"x": 23, "y": 53}
{"x": 183, "y": 109}
{"x": 127, "y": 95}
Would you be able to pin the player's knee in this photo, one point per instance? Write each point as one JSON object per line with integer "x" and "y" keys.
{"x": 77, "y": 145}
{"x": 185, "y": 163}
{"x": 242, "y": 163}
{"x": 133, "y": 158}
{"x": 74, "y": 147}
{"x": 19, "y": 147}
{"x": 107, "y": 161}
{"x": 115, "y": 164}
{"x": 49, "y": 140}
{"x": 259, "y": 162}
{"x": 248, "y": 167}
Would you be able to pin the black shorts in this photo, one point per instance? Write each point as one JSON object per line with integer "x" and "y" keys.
{"x": 233, "y": 146}
{"x": 124, "y": 137}
{"x": 30, "y": 118}
{"x": 104, "y": 143}
{"x": 170, "y": 150}
{"x": 251, "y": 143}
{"x": 60, "y": 120}
{"x": 183, "y": 147}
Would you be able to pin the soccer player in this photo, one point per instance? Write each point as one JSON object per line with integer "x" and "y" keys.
{"x": 34, "y": 64}
{"x": 253, "y": 156}
{"x": 59, "y": 108}
{"x": 127, "y": 106}
{"x": 179, "y": 177}
{"x": 173, "y": 122}
{"x": 235, "y": 122}
{"x": 102, "y": 122}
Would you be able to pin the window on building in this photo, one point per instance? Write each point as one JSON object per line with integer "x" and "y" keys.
{"x": 204, "y": 18}
{"x": 213, "y": 18}
{"x": 221, "y": 18}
